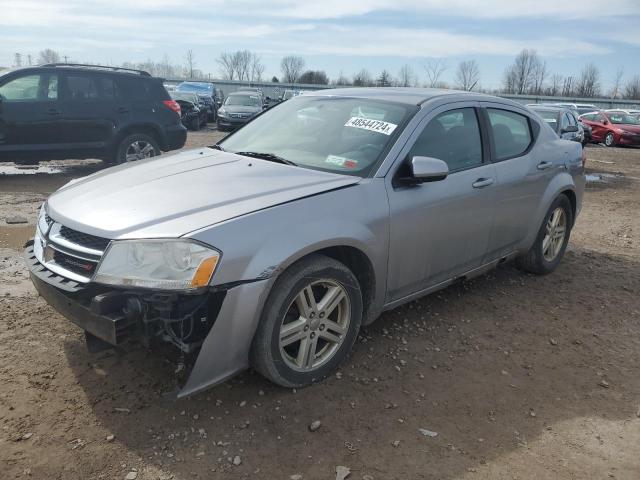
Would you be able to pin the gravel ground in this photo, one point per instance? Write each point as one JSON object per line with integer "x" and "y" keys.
{"x": 507, "y": 376}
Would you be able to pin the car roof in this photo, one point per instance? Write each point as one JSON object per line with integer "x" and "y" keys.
{"x": 244, "y": 93}
{"x": 407, "y": 95}
{"x": 122, "y": 72}
{"x": 551, "y": 108}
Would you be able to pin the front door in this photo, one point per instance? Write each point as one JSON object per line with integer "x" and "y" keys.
{"x": 29, "y": 115}
{"x": 441, "y": 229}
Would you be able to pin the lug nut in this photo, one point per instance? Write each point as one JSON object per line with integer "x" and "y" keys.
{"x": 306, "y": 328}
{"x": 321, "y": 326}
{"x": 313, "y": 334}
{"x": 321, "y": 314}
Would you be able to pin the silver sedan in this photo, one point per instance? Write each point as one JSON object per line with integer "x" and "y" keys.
{"x": 272, "y": 248}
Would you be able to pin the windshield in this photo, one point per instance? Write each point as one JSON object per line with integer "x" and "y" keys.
{"x": 623, "y": 119}
{"x": 187, "y": 97}
{"x": 196, "y": 87}
{"x": 243, "y": 100}
{"x": 336, "y": 134}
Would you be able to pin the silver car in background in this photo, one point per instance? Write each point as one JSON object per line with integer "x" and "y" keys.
{"x": 272, "y": 248}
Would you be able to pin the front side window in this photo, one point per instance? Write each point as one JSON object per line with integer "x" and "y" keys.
{"x": 30, "y": 88}
{"x": 565, "y": 121}
{"x": 334, "y": 134}
{"x": 511, "y": 133}
{"x": 453, "y": 137}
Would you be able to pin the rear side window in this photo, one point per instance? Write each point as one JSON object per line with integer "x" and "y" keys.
{"x": 39, "y": 87}
{"x": 453, "y": 137}
{"x": 134, "y": 89}
{"x": 511, "y": 133}
{"x": 89, "y": 87}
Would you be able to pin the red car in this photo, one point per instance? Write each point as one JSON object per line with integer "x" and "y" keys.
{"x": 613, "y": 128}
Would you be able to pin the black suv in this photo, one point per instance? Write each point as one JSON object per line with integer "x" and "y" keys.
{"x": 60, "y": 111}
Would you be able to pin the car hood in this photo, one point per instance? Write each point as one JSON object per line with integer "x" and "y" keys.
{"x": 173, "y": 195}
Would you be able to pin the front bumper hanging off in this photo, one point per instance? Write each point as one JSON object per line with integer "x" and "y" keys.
{"x": 219, "y": 323}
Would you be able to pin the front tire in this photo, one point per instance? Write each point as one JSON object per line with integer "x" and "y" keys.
{"x": 548, "y": 249}
{"x": 309, "y": 323}
{"x": 610, "y": 140}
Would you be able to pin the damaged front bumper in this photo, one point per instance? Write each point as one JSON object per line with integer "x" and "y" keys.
{"x": 218, "y": 323}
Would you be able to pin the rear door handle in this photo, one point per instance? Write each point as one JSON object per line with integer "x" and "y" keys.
{"x": 123, "y": 110}
{"x": 53, "y": 111}
{"x": 544, "y": 165}
{"x": 482, "y": 182}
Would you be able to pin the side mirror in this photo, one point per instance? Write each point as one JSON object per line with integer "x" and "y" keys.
{"x": 428, "y": 169}
{"x": 570, "y": 129}
{"x": 605, "y": 122}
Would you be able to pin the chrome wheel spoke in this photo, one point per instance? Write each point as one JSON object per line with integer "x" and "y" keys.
{"x": 545, "y": 244}
{"x": 330, "y": 337}
{"x": 293, "y": 332}
{"x": 147, "y": 150}
{"x": 306, "y": 303}
{"x": 334, "y": 327}
{"x": 331, "y": 300}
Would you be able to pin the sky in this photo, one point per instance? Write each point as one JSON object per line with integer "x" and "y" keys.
{"x": 333, "y": 35}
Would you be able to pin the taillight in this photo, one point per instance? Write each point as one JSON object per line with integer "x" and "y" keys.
{"x": 172, "y": 105}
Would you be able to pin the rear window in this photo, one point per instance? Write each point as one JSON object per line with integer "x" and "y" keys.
{"x": 140, "y": 89}
{"x": 511, "y": 133}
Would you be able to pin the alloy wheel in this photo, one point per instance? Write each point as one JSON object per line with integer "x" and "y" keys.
{"x": 139, "y": 150}
{"x": 315, "y": 325}
{"x": 554, "y": 236}
{"x": 609, "y": 139}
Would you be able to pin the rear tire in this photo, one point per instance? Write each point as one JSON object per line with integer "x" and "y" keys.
{"x": 309, "y": 322}
{"x": 548, "y": 249}
{"x": 137, "y": 146}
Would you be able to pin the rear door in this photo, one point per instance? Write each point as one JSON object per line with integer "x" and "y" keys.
{"x": 522, "y": 177}
{"x": 29, "y": 114}
{"x": 88, "y": 109}
{"x": 439, "y": 230}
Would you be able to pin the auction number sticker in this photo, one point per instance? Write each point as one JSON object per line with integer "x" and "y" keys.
{"x": 341, "y": 161}
{"x": 372, "y": 125}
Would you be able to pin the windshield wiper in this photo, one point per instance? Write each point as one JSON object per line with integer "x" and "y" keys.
{"x": 217, "y": 147}
{"x": 267, "y": 156}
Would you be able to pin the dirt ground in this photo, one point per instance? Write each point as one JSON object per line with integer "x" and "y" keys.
{"x": 510, "y": 376}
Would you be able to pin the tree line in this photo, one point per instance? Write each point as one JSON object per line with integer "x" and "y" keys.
{"x": 527, "y": 75}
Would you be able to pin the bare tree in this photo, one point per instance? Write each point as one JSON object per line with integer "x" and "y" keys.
{"x": 617, "y": 83}
{"x": 520, "y": 77}
{"x": 341, "y": 80}
{"x": 467, "y": 75}
{"x": 257, "y": 68}
{"x": 17, "y": 60}
{"x": 291, "y": 67}
{"x": 434, "y": 69}
{"x": 226, "y": 61}
{"x": 406, "y": 77}
{"x": 190, "y": 63}
{"x": 540, "y": 73}
{"x": 29, "y": 60}
{"x": 362, "y": 79}
{"x": 384, "y": 80}
{"x": 316, "y": 77}
{"x": 589, "y": 82}
{"x": 48, "y": 56}
{"x": 568, "y": 86}
{"x": 632, "y": 88}
{"x": 555, "y": 85}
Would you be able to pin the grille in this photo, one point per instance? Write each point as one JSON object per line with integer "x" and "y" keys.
{"x": 48, "y": 219}
{"x": 74, "y": 264}
{"x": 84, "y": 239}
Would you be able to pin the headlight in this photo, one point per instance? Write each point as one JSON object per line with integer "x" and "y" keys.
{"x": 222, "y": 112}
{"x": 162, "y": 264}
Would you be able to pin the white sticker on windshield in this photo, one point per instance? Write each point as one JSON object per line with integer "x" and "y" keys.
{"x": 371, "y": 125}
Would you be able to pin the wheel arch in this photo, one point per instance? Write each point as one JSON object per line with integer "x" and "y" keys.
{"x": 147, "y": 129}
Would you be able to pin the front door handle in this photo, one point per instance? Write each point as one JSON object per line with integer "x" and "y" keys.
{"x": 482, "y": 182}
{"x": 545, "y": 165}
{"x": 123, "y": 110}
{"x": 53, "y": 111}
